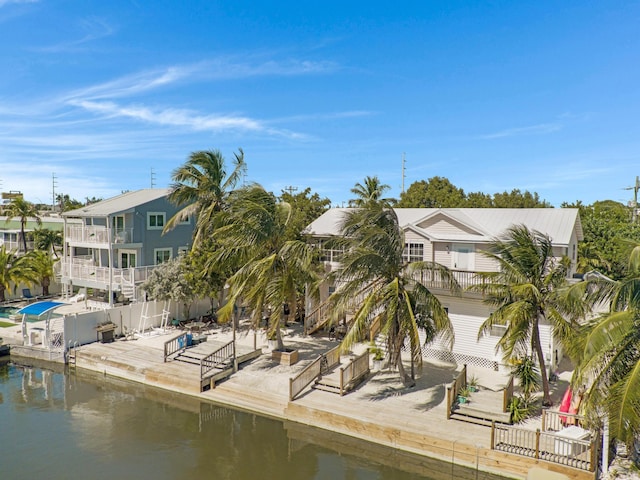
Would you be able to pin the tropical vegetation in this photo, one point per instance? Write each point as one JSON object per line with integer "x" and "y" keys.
{"x": 374, "y": 267}
{"x": 23, "y": 211}
{"x": 14, "y": 269}
{"x": 608, "y": 352}
{"x": 272, "y": 269}
{"x": 201, "y": 187}
{"x": 526, "y": 291}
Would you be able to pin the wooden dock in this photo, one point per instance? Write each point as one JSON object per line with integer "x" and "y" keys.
{"x": 144, "y": 363}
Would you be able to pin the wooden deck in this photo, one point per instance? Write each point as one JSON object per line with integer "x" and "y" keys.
{"x": 145, "y": 363}
{"x": 485, "y": 406}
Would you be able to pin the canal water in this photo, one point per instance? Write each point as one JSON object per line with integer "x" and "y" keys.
{"x": 83, "y": 425}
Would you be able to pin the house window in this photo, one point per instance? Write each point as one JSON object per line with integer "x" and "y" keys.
{"x": 413, "y": 252}
{"x": 185, "y": 221}
{"x": 183, "y": 250}
{"x": 498, "y": 330}
{"x": 155, "y": 220}
{"x": 162, "y": 255}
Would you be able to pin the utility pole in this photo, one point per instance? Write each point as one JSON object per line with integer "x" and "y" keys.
{"x": 153, "y": 178}
{"x": 403, "y": 169}
{"x": 290, "y": 189}
{"x": 54, "y": 184}
{"x": 634, "y": 204}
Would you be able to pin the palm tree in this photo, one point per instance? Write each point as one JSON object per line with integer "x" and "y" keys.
{"x": 41, "y": 263}
{"x": 370, "y": 191}
{"x": 526, "y": 291}
{"x": 275, "y": 270}
{"x": 395, "y": 296}
{"x": 14, "y": 270}
{"x": 47, "y": 240}
{"x": 23, "y": 210}
{"x": 608, "y": 352}
{"x": 201, "y": 187}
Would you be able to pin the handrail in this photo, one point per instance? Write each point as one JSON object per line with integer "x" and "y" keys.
{"x": 549, "y": 446}
{"x": 452, "y": 390}
{"x": 217, "y": 359}
{"x": 553, "y": 420}
{"x": 304, "y": 378}
{"x": 316, "y": 319}
{"x": 353, "y": 370}
{"x": 174, "y": 345}
{"x": 314, "y": 370}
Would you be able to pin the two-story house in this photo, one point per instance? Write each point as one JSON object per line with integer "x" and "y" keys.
{"x": 118, "y": 242}
{"x": 455, "y": 238}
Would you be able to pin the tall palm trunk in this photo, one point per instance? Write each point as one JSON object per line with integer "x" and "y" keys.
{"x": 537, "y": 348}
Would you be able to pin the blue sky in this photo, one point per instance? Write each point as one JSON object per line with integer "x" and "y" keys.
{"x": 540, "y": 96}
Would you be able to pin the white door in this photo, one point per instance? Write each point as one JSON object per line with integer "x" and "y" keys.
{"x": 127, "y": 258}
{"x": 463, "y": 257}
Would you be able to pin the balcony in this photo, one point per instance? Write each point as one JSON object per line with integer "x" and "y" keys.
{"x": 95, "y": 235}
{"x": 465, "y": 279}
{"x": 83, "y": 270}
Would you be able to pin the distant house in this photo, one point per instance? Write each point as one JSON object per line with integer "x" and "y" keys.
{"x": 10, "y": 231}
{"x": 455, "y": 238}
{"x": 118, "y": 242}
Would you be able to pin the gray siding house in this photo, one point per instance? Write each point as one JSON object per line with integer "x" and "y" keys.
{"x": 118, "y": 242}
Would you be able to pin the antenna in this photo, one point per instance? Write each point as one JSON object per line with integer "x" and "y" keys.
{"x": 153, "y": 178}
{"x": 404, "y": 161}
{"x": 54, "y": 184}
{"x": 634, "y": 205}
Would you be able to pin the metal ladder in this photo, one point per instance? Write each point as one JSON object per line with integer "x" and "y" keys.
{"x": 72, "y": 354}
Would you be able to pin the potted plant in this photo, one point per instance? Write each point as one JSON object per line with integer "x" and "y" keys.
{"x": 463, "y": 395}
{"x": 472, "y": 383}
{"x": 378, "y": 357}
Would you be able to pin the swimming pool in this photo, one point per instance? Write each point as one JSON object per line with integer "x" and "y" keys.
{"x": 6, "y": 311}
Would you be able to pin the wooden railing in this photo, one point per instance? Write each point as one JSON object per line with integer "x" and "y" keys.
{"x": 452, "y": 390}
{"x": 175, "y": 345}
{"x": 311, "y": 372}
{"x": 434, "y": 279}
{"x": 552, "y": 447}
{"x": 319, "y": 316}
{"x": 218, "y": 359}
{"x": 354, "y": 370}
{"x": 554, "y": 421}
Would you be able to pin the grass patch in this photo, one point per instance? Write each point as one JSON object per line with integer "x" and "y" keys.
{"x": 7, "y": 324}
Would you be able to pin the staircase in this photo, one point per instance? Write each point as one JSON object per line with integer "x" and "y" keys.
{"x": 129, "y": 291}
{"x": 320, "y": 316}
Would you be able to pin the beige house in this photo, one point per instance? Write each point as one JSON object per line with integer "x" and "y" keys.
{"x": 455, "y": 238}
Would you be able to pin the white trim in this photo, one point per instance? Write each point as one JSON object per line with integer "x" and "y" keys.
{"x": 158, "y": 250}
{"x": 157, "y": 215}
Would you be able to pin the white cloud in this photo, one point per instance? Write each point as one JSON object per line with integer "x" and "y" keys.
{"x": 96, "y": 27}
{"x": 181, "y": 118}
{"x": 541, "y": 129}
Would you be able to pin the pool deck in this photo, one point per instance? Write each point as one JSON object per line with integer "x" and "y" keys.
{"x": 381, "y": 410}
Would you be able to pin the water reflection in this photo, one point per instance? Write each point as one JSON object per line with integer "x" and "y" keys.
{"x": 87, "y": 425}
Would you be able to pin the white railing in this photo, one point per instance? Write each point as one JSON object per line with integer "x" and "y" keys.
{"x": 97, "y": 234}
{"x": 16, "y": 245}
{"x": 93, "y": 273}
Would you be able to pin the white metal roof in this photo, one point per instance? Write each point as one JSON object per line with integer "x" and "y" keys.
{"x": 119, "y": 204}
{"x": 486, "y": 223}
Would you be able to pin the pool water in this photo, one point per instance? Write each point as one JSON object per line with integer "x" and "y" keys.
{"x": 6, "y": 311}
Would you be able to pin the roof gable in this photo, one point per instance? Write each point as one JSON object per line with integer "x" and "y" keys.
{"x": 442, "y": 223}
